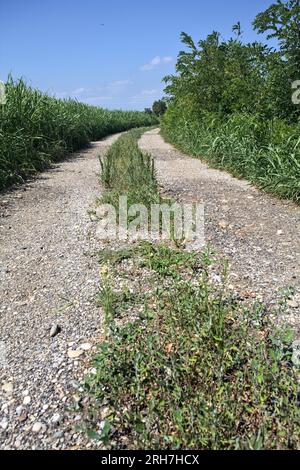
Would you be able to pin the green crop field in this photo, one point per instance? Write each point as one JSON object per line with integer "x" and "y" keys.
{"x": 36, "y": 129}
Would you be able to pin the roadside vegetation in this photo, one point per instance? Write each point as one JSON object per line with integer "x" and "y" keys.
{"x": 127, "y": 171}
{"x": 231, "y": 102}
{"x": 183, "y": 364}
{"x": 36, "y": 129}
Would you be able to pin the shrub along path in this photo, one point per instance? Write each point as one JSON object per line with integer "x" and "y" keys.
{"x": 46, "y": 278}
{"x": 259, "y": 234}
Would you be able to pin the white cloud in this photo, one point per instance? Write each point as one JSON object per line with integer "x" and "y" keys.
{"x": 155, "y": 62}
{"x": 149, "y": 92}
{"x": 118, "y": 86}
{"x": 97, "y": 100}
{"x": 145, "y": 97}
{"x": 101, "y": 93}
{"x": 78, "y": 91}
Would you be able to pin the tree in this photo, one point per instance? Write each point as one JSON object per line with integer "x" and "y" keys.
{"x": 282, "y": 22}
{"x": 237, "y": 29}
{"x": 215, "y": 76}
{"x": 225, "y": 77}
{"x": 148, "y": 111}
{"x": 159, "y": 108}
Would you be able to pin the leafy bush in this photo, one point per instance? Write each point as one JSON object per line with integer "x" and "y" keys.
{"x": 159, "y": 108}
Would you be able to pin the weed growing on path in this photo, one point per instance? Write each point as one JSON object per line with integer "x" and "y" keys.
{"x": 186, "y": 366}
{"x": 196, "y": 370}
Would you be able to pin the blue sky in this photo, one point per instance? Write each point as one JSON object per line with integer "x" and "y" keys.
{"x": 61, "y": 47}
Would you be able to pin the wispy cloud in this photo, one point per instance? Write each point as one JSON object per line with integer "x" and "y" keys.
{"x": 116, "y": 94}
{"x": 98, "y": 100}
{"x": 155, "y": 62}
{"x": 145, "y": 97}
{"x": 149, "y": 92}
{"x": 118, "y": 86}
{"x": 78, "y": 91}
{"x": 99, "y": 93}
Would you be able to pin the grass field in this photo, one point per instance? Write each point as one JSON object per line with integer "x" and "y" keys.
{"x": 36, "y": 129}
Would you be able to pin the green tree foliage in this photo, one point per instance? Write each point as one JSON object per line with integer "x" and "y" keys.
{"x": 242, "y": 92}
{"x": 282, "y": 21}
{"x": 231, "y": 76}
{"x": 159, "y": 108}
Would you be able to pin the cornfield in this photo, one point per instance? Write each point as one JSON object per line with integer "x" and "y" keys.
{"x": 37, "y": 129}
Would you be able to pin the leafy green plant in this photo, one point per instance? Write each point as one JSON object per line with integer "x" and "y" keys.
{"x": 159, "y": 108}
{"x": 167, "y": 261}
{"x": 115, "y": 257}
{"x": 107, "y": 299}
{"x": 265, "y": 152}
{"x": 197, "y": 371}
{"x": 128, "y": 171}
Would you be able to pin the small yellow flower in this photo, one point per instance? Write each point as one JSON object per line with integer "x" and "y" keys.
{"x": 104, "y": 270}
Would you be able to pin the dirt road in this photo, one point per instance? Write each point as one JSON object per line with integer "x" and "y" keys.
{"x": 47, "y": 278}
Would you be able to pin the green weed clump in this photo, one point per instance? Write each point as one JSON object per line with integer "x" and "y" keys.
{"x": 128, "y": 171}
{"x": 36, "y": 129}
{"x": 197, "y": 370}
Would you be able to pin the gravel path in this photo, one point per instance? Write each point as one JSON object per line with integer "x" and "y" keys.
{"x": 48, "y": 277}
{"x": 258, "y": 233}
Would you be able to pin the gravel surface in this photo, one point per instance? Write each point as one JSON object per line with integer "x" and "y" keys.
{"x": 49, "y": 321}
{"x": 258, "y": 233}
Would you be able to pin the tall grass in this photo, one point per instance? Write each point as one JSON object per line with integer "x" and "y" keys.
{"x": 267, "y": 152}
{"x": 127, "y": 170}
{"x": 36, "y": 129}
